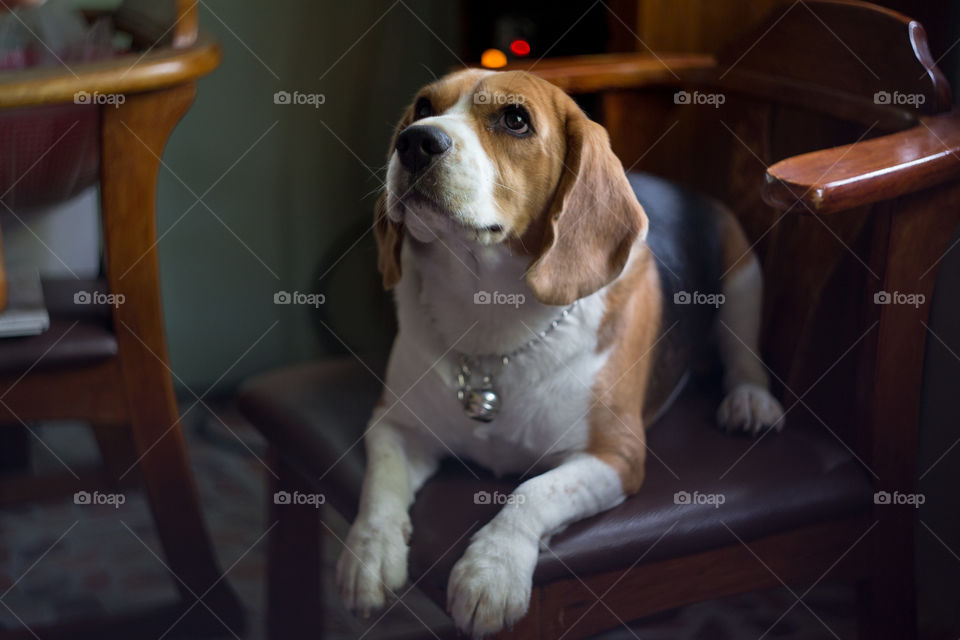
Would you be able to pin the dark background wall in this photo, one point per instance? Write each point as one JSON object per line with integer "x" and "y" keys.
{"x": 285, "y": 181}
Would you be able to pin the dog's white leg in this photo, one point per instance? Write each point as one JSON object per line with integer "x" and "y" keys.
{"x": 489, "y": 587}
{"x": 748, "y": 404}
{"x": 374, "y": 563}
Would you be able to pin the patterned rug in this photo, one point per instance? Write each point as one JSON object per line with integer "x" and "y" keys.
{"x": 63, "y": 561}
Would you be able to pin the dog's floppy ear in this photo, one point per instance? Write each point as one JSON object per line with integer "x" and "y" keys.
{"x": 593, "y": 221}
{"x": 389, "y": 236}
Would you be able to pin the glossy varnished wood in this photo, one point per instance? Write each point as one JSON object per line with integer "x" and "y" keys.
{"x": 915, "y": 234}
{"x": 838, "y": 55}
{"x": 849, "y": 176}
{"x": 167, "y": 53}
{"x": 129, "y": 398}
{"x": 187, "y": 26}
{"x": 133, "y": 138}
{"x": 585, "y": 74}
{"x": 129, "y": 73}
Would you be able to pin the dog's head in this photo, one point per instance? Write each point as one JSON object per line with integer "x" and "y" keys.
{"x": 508, "y": 158}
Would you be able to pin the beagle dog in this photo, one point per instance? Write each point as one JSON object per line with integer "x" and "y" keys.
{"x": 549, "y": 305}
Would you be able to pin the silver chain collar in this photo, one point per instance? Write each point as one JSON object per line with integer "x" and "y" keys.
{"x": 482, "y": 402}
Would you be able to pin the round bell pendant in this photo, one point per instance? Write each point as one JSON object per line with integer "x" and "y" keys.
{"x": 483, "y": 404}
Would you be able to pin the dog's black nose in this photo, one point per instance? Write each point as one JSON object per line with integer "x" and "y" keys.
{"x": 419, "y": 144}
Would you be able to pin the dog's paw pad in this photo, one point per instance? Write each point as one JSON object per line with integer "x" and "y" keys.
{"x": 372, "y": 568}
{"x": 750, "y": 408}
{"x": 489, "y": 587}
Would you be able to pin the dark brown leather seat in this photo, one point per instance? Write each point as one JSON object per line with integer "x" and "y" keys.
{"x": 78, "y": 333}
{"x": 315, "y": 415}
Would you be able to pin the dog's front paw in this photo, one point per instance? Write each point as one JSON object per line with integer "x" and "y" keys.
{"x": 489, "y": 587}
{"x": 750, "y": 408}
{"x": 373, "y": 566}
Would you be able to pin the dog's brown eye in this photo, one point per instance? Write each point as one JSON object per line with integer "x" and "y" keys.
{"x": 423, "y": 109}
{"x": 516, "y": 120}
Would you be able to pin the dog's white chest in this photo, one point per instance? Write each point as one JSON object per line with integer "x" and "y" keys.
{"x": 543, "y": 415}
{"x": 546, "y": 394}
{"x": 545, "y": 391}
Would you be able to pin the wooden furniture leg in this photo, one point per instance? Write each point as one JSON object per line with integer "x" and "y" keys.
{"x": 920, "y": 225}
{"x": 134, "y": 135}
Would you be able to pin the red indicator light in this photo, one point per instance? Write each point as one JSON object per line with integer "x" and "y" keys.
{"x": 520, "y": 48}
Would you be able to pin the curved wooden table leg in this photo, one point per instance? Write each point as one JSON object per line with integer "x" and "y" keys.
{"x": 134, "y": 135}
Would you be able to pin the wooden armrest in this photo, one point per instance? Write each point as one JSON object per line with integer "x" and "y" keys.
{"x": 869, "y": 171}
{"x": 588, "y": 74}
{"x": 131, "y": 73}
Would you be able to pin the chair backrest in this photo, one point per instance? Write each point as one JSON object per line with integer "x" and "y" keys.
{"x": 813, "y": 75}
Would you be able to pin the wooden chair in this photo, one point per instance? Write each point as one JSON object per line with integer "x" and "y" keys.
{"x": 850, "y": 194}
{"x": 108, "y": 364}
